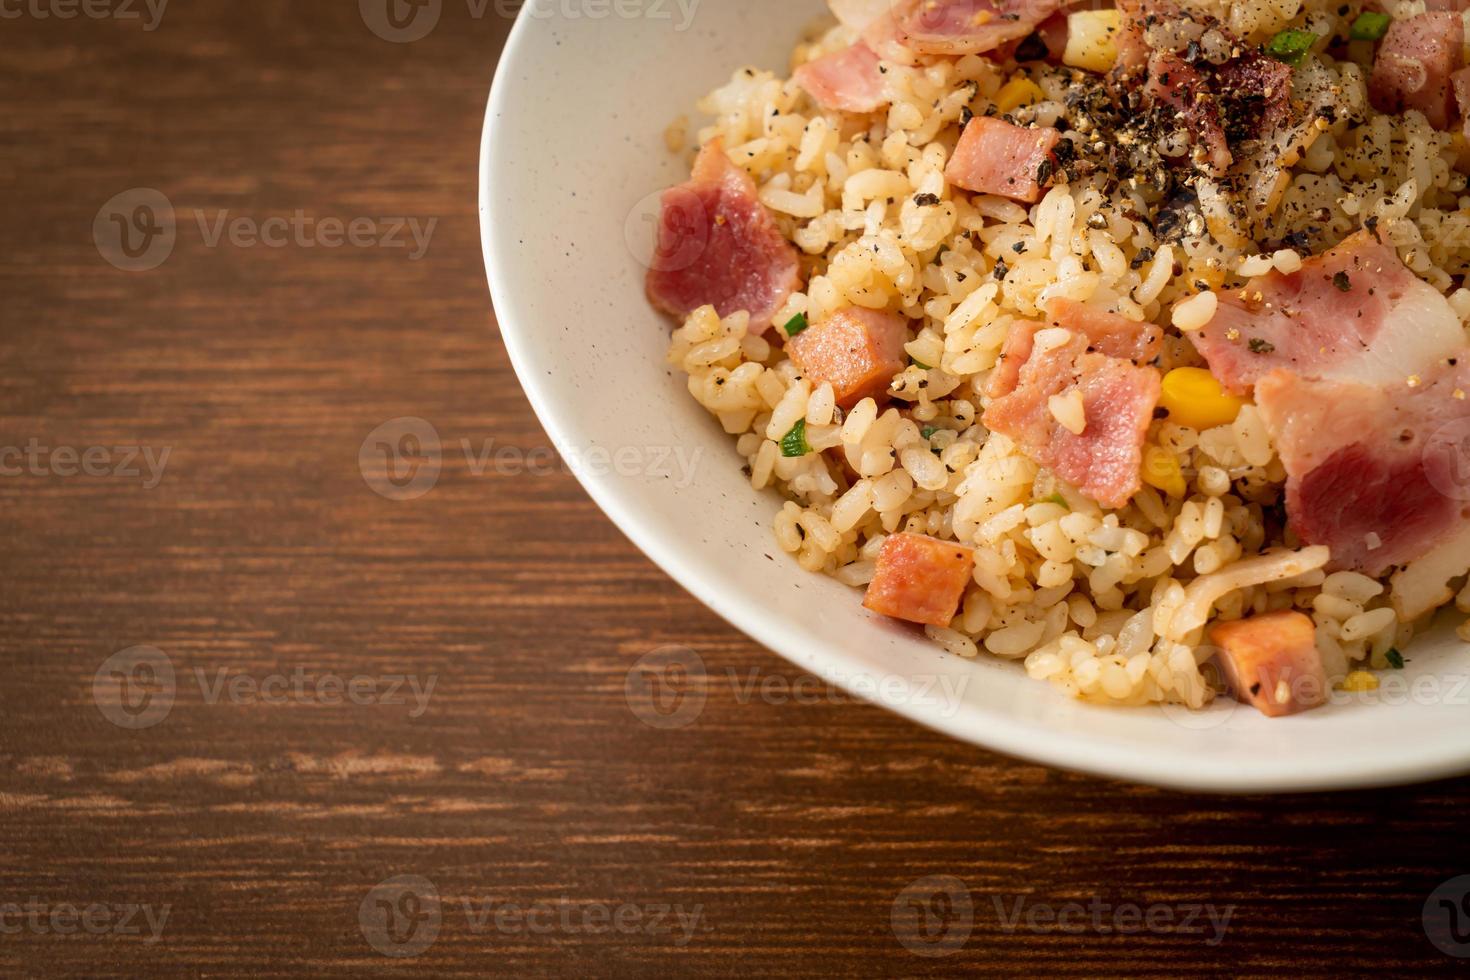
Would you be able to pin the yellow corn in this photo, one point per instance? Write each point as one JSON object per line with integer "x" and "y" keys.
{"x": 1090, "y": 39}
{"x": 1360, "y": 680}
{"x": 1194, "y": 398}
{"x": 1017, "y": 92}
{"x": 1161, "y": 470}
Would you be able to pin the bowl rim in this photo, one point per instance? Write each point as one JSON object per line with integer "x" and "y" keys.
{"x": 1020, "y": 738}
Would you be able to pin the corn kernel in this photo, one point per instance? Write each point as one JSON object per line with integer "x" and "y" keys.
{"x": 1360, "y": 680}
{"x": 1017, "y": 92}
{"x": 1090, "y": 39}
{"x": 1195, "y": 399}
{"x": 1161, "y": 470}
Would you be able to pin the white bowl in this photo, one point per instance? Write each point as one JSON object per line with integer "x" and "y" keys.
{"x": 572, "y": 158}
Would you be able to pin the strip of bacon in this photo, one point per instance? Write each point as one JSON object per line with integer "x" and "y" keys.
{"x": 847, "y": 81}
{"x": 718, "y": 245}
{"x": 1378, "y": 473}
{"x": 1460, "y": 80}
{"x": 920, "y": 579}
{"x": 959, "y": 27}
{"x": 857, "y": 351}
{"x": 997, "y": 157}
{"x": 1355, "y": 312}
{"x": 1101, "y": 361}
{"x": 1414, "y": 63}
{"x": 1173, "y": 83}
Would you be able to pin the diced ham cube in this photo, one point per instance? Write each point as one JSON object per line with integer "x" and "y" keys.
{"x": 847, "y": 80}
{"x": 997, "y": 157}
{"x": 719, "y": 246}
{"x": 1414, "y": 63}
{"x": 857, "y": 351}
{"x": 920, "y": 579}
{"x": 1271, "y": 662}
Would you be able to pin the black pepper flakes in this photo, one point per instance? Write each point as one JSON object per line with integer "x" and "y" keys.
{"x": 926, "y": 200}
{"x": 1259, "y": 346}
{"x": 1001, "y": 269}
{"x": 1341, "y": 281}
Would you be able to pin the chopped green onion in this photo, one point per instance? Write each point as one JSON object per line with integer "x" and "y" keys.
{"x": 794, "y": 443}
{"x": 928, "y": 431}
{"x": 1395, "y": 659}
{"x": 918, "y": 363}
{"x": 1291, "y": 46}
{"x": 1369, "y": 26}
{"x": 1055, "y": 498}
{"x": 795, "y": 325}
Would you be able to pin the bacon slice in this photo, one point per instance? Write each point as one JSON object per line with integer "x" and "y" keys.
{"x": 920, "y": 579}
{"x": 1173, "y": 83}
{"x": 1108, "y": 333}
{"x": 1104, "y": 460}
{"x": 1415, "y": 61}
{"x": 1378, "y": 473}
{"x": 1271, "y": 662}
{"x": 858, "y": 351}
{"x": 846, "y": 81}
{"x": 1355, "y": 312}
{"x": 997, "y": 157}
{"x": 718, "y": 245}
{"x": 960, "y": 27}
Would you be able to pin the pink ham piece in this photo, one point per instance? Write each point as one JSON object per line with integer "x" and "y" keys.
{"x": 1271, "y": 662}
{"x": 719, "y": 246}
{"x": 960, "y": 27}
{"x": 1460, "y": 80}
{"x": 1173, "y": 83}
{"x": 1118, "y": 397}
{"x": 997, "y": 157}
{"x": 1415, "y": 61}
{"x": 1378, "y": 473}
{"x": 920, "y": 579}
{"x": 1355, "y": 312}
{"x": 846, "y": 81}
{"x": 857, "y": 351}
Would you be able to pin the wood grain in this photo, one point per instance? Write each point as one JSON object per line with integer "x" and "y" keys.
{"x": 528, "y": 782}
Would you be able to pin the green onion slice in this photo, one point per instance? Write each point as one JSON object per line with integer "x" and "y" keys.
{"x": 795, "y": 325}
{"x": 1291, "y": 46}
{"x": 794, "y": 443}
{"x": 1369, "y": 26}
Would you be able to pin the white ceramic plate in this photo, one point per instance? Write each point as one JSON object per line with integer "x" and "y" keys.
{"x": 572, "y": 158}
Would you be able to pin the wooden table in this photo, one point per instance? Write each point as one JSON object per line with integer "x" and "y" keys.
{"x": 247, "y": 815}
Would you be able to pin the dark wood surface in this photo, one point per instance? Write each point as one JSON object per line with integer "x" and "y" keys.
{"x": 528, "y": 782}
